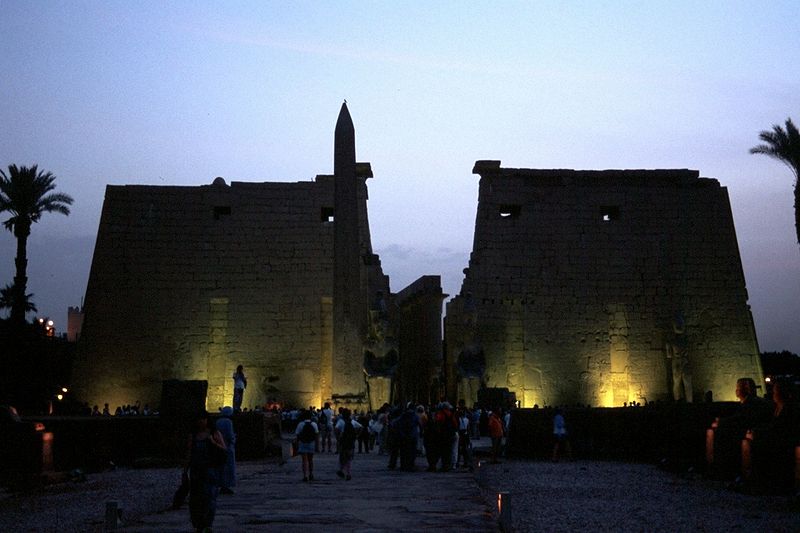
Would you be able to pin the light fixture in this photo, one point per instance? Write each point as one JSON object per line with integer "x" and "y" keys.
{"x": 504, "y": 510}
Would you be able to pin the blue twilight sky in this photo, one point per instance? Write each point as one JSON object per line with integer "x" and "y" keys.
{"x": 178, "y": 93}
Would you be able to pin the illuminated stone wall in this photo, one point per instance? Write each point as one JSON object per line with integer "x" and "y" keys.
{"x": 189, "y": 282}
{"x": 575, "y": 277}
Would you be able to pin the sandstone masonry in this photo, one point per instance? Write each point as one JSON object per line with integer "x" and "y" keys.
{"x": 189, "y": 282}
{"x": 575, "y": 277}
{"x": 579, "y": 284}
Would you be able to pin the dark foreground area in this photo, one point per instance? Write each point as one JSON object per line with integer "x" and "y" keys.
{"x": 622, "y": 497}
{"x": 545, "y": 496}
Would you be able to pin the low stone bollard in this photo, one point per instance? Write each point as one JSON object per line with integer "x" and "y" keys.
{"x": 709, "y": 447}
{"x": 113, "y": 515}
{"x": 747, "y": 457}
{"x": 797, "y": 468}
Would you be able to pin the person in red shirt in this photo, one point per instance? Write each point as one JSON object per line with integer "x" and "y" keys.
{"x": 496, "y": 434}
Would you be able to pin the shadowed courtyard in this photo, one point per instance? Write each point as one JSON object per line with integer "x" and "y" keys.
{"x": 545, "y": 496}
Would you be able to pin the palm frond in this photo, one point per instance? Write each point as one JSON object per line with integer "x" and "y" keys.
{"x": 781, "y": 144}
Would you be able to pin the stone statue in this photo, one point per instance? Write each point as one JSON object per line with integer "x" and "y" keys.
{"x": 381, "y": 349}
{"x": 470, "y": 312}
{"x": 677, "y": 347}
{"x": 379, "y": 327}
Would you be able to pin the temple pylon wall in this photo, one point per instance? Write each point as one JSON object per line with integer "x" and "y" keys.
{"x": 576, "y": 279}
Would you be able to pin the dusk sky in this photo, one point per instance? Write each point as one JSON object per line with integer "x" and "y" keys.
{"x": 177, "y": 93}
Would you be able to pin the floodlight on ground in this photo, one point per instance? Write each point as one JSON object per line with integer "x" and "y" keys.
{"x": 504, "y": 510}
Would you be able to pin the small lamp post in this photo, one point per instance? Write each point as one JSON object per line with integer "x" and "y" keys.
{"x": 504, "y": 510}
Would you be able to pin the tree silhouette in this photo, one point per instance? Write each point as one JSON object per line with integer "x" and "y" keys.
{"x": 784, "y": 145}
{"x": 7, "y": 299}
{"x": 26, "y": 193}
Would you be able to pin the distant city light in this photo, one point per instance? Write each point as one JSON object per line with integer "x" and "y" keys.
{"x": 63, "y": 389}
{"x": 48, "y": 326}
{"x": 60, "y": 396}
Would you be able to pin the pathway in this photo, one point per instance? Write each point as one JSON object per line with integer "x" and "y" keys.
{"x": 271, "y": 497}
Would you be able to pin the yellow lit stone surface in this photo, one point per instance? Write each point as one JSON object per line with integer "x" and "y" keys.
{"x": 575, "y": 277}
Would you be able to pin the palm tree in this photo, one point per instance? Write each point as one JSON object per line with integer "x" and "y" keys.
{"x": 784, "y": 145}
{"x": 26, "y": 193}
{"x": 8, "y": 297}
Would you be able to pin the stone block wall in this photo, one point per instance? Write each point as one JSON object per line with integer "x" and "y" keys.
{"x": 189, "y": 282}
{"x": 74, "y": 323}
{"x": 575, "y": 277}
{"x": 420, "y": 333}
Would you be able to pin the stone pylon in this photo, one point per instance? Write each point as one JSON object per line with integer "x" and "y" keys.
{"x": 349, "y": 278}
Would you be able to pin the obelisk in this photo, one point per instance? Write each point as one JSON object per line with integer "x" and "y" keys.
{"x": 349, "y": 304}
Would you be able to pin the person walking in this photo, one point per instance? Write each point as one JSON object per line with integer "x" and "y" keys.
{"x": 325, "y": 418}
{"x": 346, "y": 431}
{"x": 204, "y": 448}
{"x": 363, "y": 434}
{"x": 560, "y": 435}
{"x": 464, "y": 441}
{"x": 447, "y": 432}
{"x": 307, "y": 442}
{"x": 496, "y": 434}
{"x": 407, "y": 435}
{"x": 225, "y": 427}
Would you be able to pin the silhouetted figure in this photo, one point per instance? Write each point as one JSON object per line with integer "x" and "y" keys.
{"x": 225, "y": 427}
{"x": 407, "y": 425}
{"x": 346, "y": 433}
{"x": 464, "y": 441}
{"x": 496, "y": 434}
{"x": 239, "y": 384}
{"x": 363, "y": 433}
{"x": 325, "y": 420}
{"x": 203, "y": 473}
{"x": 447, "y": 434}
{"x": 723, "y": 439}
{"x": 307, "y": 434}
{"x": 768, "y": 450}
{"x": 561, "y": 445}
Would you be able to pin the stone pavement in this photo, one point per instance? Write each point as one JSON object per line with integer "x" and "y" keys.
{"x": 272, "y": 496}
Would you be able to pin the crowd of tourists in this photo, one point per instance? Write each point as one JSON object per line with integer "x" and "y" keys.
{"x": 439, "y": 436}
{"x": 129, "y": 409}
